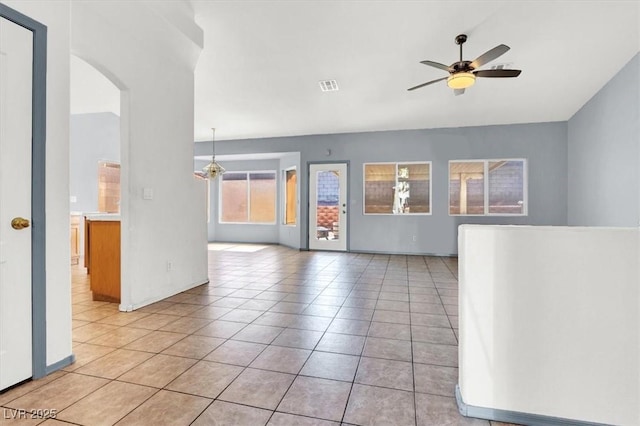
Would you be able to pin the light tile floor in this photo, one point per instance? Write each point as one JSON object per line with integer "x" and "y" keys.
{"x": 279, "y": 337}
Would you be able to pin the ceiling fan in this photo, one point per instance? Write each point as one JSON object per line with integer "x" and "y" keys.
{"x": 462, "y": 74}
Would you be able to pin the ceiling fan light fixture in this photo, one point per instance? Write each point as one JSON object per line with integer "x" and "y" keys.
{"x": 213, "y": 169}
{"x": 462, "y": 74}
{"x": 461, "y": 80}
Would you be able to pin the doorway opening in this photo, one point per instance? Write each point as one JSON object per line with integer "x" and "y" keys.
{"x": 328, "y": 210}
{"x": 94, "y": 178}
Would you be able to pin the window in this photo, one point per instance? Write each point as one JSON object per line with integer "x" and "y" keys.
{"x": 290, "y": 196}
{"x": 397, "y": 188}
{"x": 248, "y": 197}
{"x": 108, "y": 187}
{"x": 487, "y": 187}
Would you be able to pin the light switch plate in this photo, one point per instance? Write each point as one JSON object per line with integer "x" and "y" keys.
{"x": 147, "y": 194}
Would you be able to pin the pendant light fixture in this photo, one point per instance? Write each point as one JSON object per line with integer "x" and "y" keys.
{"x": 213, "y": 169}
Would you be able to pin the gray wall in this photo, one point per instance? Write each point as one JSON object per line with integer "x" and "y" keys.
{"x": 544, "y": 145}
{"x": 599, "y": 146}
{"x": 198, "y": 166}
{"x": 242, "y": 233}
{"x": 604, "y": 154}
{"x": 288, "y": 235}
{"x": 93, "y": 137}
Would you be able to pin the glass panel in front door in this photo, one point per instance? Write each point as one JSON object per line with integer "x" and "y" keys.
{"x": 328, "y": 205}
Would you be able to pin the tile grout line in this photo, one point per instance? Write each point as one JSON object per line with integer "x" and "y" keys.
{"x": 292, "y": 276}
{"x": 307, "y": 360}
{"x": 264, "y": 349}
{"x": 353, "y": 383}
{"x": 413, "y": 367}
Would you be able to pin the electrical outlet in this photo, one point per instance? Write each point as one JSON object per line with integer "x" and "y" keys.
{"x": 169, "y": 265}
{"x": 415, "y": 238}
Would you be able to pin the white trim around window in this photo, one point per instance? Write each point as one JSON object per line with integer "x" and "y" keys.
{"x": 396, "y": 206}
{"x": 485, "y": 173}
{"x": 248, "y": 194}
{"x": 285, "y": 196}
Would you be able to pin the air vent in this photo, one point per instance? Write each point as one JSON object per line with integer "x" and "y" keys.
{"x": 328, "y": 85}
{"x": 504, "y": 66}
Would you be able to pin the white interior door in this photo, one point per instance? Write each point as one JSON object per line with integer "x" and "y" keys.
{"x": 328, "y": 207}
{"x": 16, "y": 59}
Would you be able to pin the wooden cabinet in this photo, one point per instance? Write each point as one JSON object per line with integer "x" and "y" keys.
{"x": 102, "y": 258}
{"x": 74, "y": 239}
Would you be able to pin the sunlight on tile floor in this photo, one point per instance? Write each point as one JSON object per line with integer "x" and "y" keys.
{"x": 279, "y": 337}
{"x": 243, "y": 248}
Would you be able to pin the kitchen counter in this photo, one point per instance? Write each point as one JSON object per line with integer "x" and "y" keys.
{"x": 102, "y": 216}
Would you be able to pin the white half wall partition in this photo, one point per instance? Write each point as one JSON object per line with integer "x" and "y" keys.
{"x": 549, "y": 325}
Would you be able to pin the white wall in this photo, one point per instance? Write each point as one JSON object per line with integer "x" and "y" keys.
{"x": 549, "y": 321}
{"x": 92, "y": 92}
{"x": 149, "y": 50}
{"x": 55, "y": 15}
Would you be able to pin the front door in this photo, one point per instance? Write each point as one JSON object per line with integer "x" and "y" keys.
{"x": 328, "y": 207}
{"x": 16, "y": 59}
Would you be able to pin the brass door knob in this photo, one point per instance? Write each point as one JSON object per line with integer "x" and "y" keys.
{"x": 19, "y": 223}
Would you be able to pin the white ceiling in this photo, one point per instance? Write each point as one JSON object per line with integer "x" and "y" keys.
{"x": 258, "y": 73}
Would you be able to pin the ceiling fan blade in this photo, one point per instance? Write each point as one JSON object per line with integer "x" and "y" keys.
{"x": 427, "y": 83}
{"x": 458, "y": 92}
{"x": 437, "y": 65}
{"x": 490, "y": 55}
{"x": 497, "y": 73}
